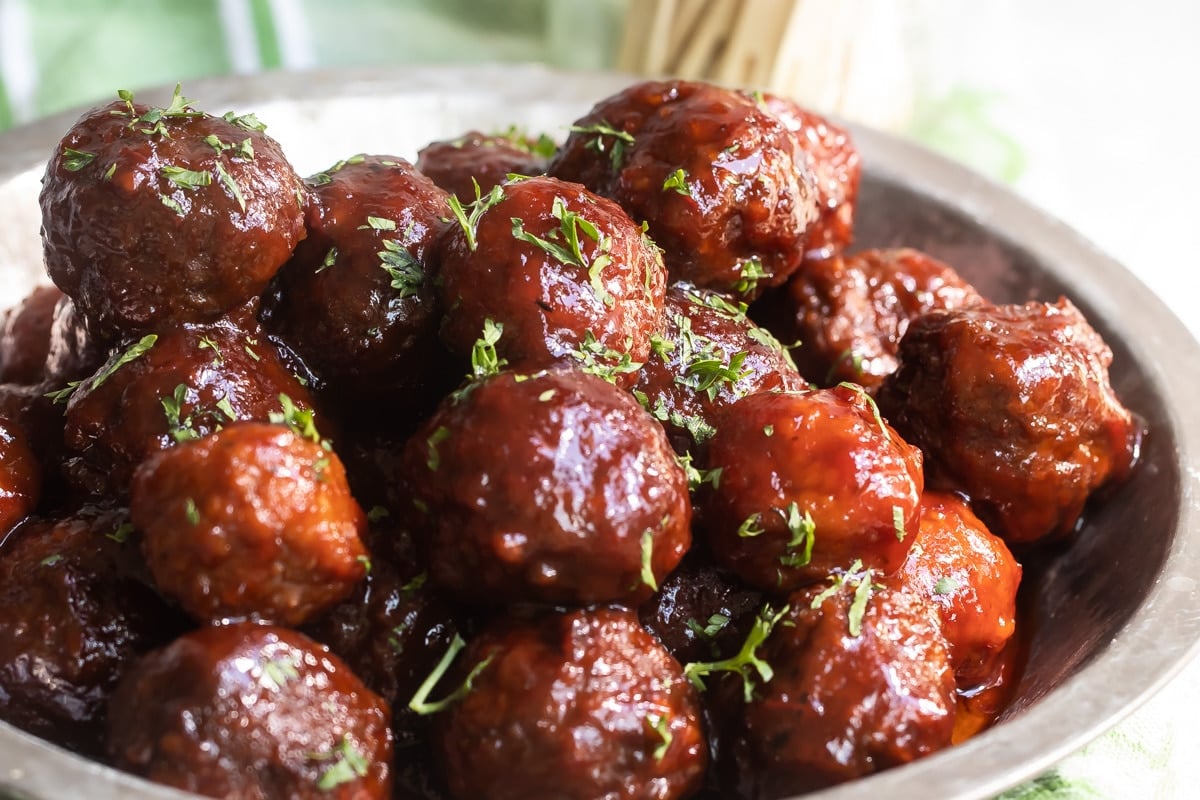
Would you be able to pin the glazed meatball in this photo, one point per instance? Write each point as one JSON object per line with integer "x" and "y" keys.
{"x": 1012, "y": 407}
{"x": 572, "y": 704}
{"x": 858, "y": 687}
{"x": 569, "y": 277}
{"x": 709, "y": 355}
{"x": 850, "y": 313}
{"x": 25, "y": 336}
{"x": 75, "y": 612}
{"x": 809, "y": 482}
{"x": 720, "y": 181}
{"x": 156, "y": 216}
{"x": 172, "y": 387}
{"x": 251, "y": 711}
{"x": 254, "y": 520}
{"x": 971, "y": 578}
{"x": 20, "y": 475}
{"x": 551, "y": 488}
{"x": 483, "y": 160}
{"x": 355, "y": 301}
{"x": 833, "y": 158}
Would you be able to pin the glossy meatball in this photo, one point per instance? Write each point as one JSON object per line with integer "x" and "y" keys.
{"x": 25, "y": 336}
{"x": 572, "y": 704}
{"x": 566, "y": 273}
{"x": 860, "y": 685}
{"x": 809, "y": 482}
{"x": 720, "y": 181}
{"x": 172, "y": 387}
{"x": 20, "y": 475}
{"x": 251, "y": 711}
{"x": 75, "y": 612}
{"x": 971, "y": 578}
{"x": 355, "y": 301}
{"x": 483, "y": 160}
{"x": 849, "y": 313}
{"x": 552, "y": 488}
{"x": 1012, "y": 406}
{"x": 709, "y": 355}
{"x": 156, "y": 216}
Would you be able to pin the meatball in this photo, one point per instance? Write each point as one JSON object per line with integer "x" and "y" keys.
{"x": 74, "y": 350}
{"x": 850, "y": 313}
{"x": 172, "y": 387}
{"x": 709, "y": 355}
{"x": 552, "y": 488}
{"x": 251, "y": 711}
{"x": 355, "y": 301}
{"x": 156, "y": 216}
{"x": 75, "y": 612}
{"x": 483, "y": 160}
{"x": 809, "y": 482}
{"x": 1012, "y": 407}
{"x": 971, "y": 578}
{"x": 254, "y": 520}
{"x": 20, "y": 475}
{"x": 862, "y": 682}
{"x": 572, "y": 704}
{"x": 566, "y": 274}
{"x": 719, "y": 181}
{"x": 25, "y": 336}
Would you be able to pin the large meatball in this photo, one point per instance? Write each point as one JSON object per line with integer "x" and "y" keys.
{"x": 720, "y": 181}
{"x": 355, "y": 301}
{"x": 483, "y": 160}
{"x": 20, "y": 475}
{"x": 553, "y": 488}
{"x": 572, "y": 704}
{"x": 75, "y": 612}
{"x": 251, "y": 711}
{"x": 25, "y": 336}
{"x": 809, "y": 482}
{"x": 155, "y": 216}
{"x": 569, "y": 277}
{"x": 1012, "y": 406}
{"x": 862, "y": 682}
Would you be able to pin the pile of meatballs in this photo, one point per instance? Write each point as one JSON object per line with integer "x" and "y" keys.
{"x": 594, "y": 469}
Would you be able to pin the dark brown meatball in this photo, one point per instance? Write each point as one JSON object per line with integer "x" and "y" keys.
{"x": 254, "y": 520}
{"x": 25, "y": 336}
{"x": 1012, "y": 406}
{"x": 176, "y": 386}
{"x": 850, "y": 313}
{"x": 552, "y": 488}
{"x": 709, "y": 355}
{"x": 720, "y": 181}
{"x": 566, "y": 273}
{"x": 971, "y": 578}
{"x": 483, "y": 160}
{"x": 573, "y": 704}
{"x": 809, "y": 482}
{"x": 74, "y": 614}
{"x": 20, "y": 475}
{"x": 251, "y": 711}
{"x": 355, "y": 301}
{"x": 155, "y": 216}
{"x": 862, "y": 682}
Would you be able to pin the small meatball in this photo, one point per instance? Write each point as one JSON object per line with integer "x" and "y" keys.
{"x": 75, "y": 613}
{"x": 1012, "y": 407}
{"x": 572, "y": 704}
{"x": 720, "y": 181}
{"x": 483, "y": 160}
{"x": 850, "y": 313}
{"x": 355, "y": 301}
{"x": 710, "y": 354}
{"x": 20, "y": 475}
{"x": 831, "y": 155}
{"x": 152, "y": 217}
{"x": 809, "y": 482}
{"x": 251, "y": 521}
{"x": 971, "y": 578}
{"x": 25, "y": 336}
{"x": 857, "y": 688}
{"x": 173, "y": 387}
{"x": 251, "y": 711}
{"x": 568, "y": 275}
{"x": 551, "y": 488}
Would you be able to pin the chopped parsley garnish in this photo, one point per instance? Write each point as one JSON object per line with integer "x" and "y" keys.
{"x": 705, "y": 367}
{"x": 870, "y": 401}
{"x": 122, "y": 533}
{"x": 542, "y": 147}
{"x": 112, "y": 170}
{"x": 378, "y": 224}
{"x": 768, "y": 430}
{"x": 349, "y": 766}
{"x": 185, "y": 178}
{"x": 135, "y": 351}
{"x": 767, "y": 339}
{"x": 191, "y": 511}
{"x": 377, "y": 513}
{"x": 403, "y": 268}
{"x": 647, "y": 560}
{"x": 677, "y": 182}
{"x": 607, "y": 139}
{"x": 746, "y": 661}
{"x": 752, "y": 271}
{"x": 229, "y": 183}
{"x": 803, "y": 531}
{"x": 75, "y": 160}
{"x": 50, "y": 561}
{"x": 330, "y": 259}
{"x": 322, "y": 178}
{"x": 468, "y": 216}
{"x": 208, "y": 344}
{"x": 434, "y": 459}
{"x": 750, "y": 527}
{"x": 898, "y": 522}
{"x": 860, "y": 579}
{"x": 248, "y": 122}
{"x": 661, "y": 726}
{"x": 601, "y": 361}
{"x": 420, "y": 702}
{"x": 280, "y": 670}
{"x": 564, "y": 245}
{"x": 945, "y": 586}
{"x": 484, "y": 361}
{"x": 299, "y": 420}
{"x": 715, "y": 624}
{"x": 698, "y": 477}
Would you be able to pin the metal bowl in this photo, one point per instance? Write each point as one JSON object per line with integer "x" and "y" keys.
{"x": 1114, "y": 615}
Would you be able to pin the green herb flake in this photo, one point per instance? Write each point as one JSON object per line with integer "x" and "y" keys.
{"x": 349, "y": 766}
{"x": 420, "y": 702}
{"x": 231, "y": 185}
{"x": 751, "y": 273}
{"x": 300, "y": 420}
{"x": 746, "y": 661}
{"x": 697, "y": 477}
{"x": 75, "y": 160}
{"x": 173, "y": 204}
{"x": 647, "y": 560}
{"x": 50, "y": 561}
{"x": 603, "y": 362}
{"x": 434, "y": 459}
{"x": 207, "y": 343}
{"x": 661, "y": 726}
{"x": 378, "y": 224}
{"x": 861, "y": 580}
{"x": 248, "y": 122}
{"x": 484, "y": 360}
{"x": 547, "y": 395}
{"x": 191, "y": 511}
{"x": 750, "y": 527}
{"x": 329, "y": 260}
{"x": 366, "y": 562}
{"x": 715, "y": 624}
{"x": 677, "y": 182}
{"x": 898, "y": 523}
{"x": 185, "y": 178}
{"x": 945, "y": 586}
{"x": 112, "y": 170}
{"x": 870, "y": 401}
{"x": 803, "y": 536}
{"x": 179, "y": 427}
{"x": 468, "y": 216}
{"x": 768, "y": 430}
{"x": 607, "y": 139}
{"x": 280, "y": 670}
{"x": 135, "y": 351}
{"x": 564, "y": 246}
{"x": 122, "y": 533}
{"x": 401, "y": 266}
{"x": 858, "y": 607}
{"x": 377, "y": 513}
